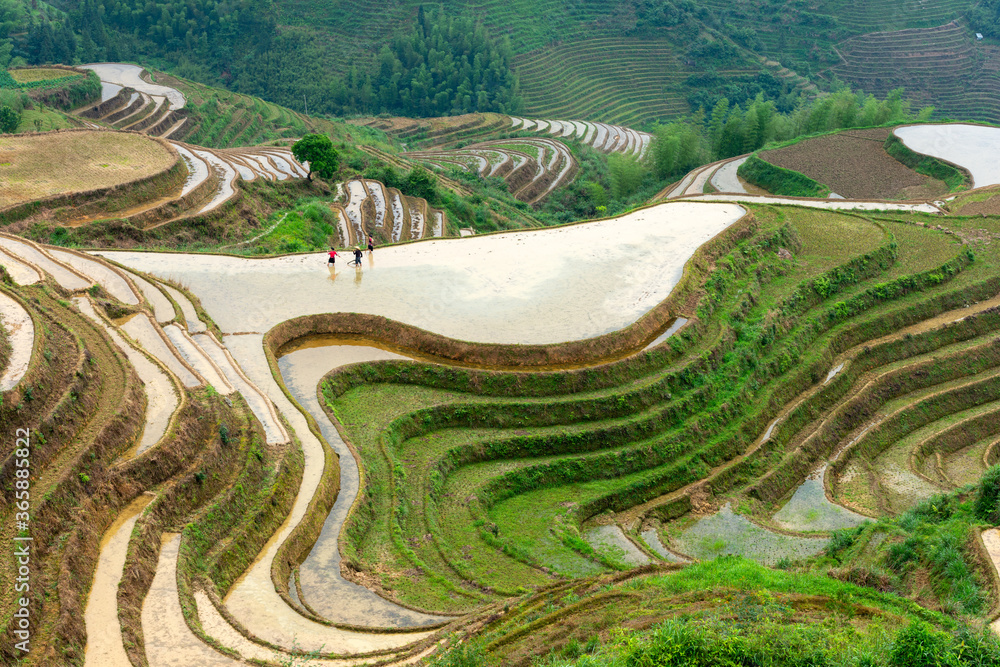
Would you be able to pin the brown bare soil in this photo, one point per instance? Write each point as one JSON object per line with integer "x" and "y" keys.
{"x": 854, "y": 165}
{"x": 31, "y": 74}
{"x": 42, "y": 165}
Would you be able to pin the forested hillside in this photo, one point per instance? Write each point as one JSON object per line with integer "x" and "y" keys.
{"x": 632, "y": 62}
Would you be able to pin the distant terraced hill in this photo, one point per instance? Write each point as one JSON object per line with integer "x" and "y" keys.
{"x": 596, "y": 61}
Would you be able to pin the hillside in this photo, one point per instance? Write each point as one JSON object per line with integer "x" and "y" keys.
{"x": 625, "y": 62}
{"x": 564, "y": 412}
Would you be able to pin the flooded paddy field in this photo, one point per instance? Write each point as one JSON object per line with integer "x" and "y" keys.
{"x": 544, "y": 286}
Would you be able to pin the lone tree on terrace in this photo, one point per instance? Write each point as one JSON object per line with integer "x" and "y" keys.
{"x": 318, "y": 151}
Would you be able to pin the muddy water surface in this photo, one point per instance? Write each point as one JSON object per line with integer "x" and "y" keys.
{"x": 141, "y": 329}
{"x": 23, "y": 274}
{"x": 542, "y": 286}
{"x": 115, "y": 285}
{"x": 323, "y": 588}
{"x": 161, "y": 397}
{"x": 974, "y": 147}
{"x": 104, "y": 631}
{"x": 20, "y": 331}
{"x": 169, "y": 640}
{"x": 252, "y": 599}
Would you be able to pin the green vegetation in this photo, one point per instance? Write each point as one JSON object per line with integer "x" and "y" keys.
{"x": 780, "y": 181}
{"x": 318, "y": 151}
{"x": 309, "y": 226}
{"x": 9, "y": 120}
{"x": 927, "y": 550}
{"x": 444, "y": 66}
{"x": 625, "y": 61}
{"x": 954, "y": 178}
{"x": 723, "y": 613}
{"x": 534, "y": 470}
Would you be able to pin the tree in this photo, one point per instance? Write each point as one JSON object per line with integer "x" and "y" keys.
{"x": 318, "y": 151}
{"x": 9, "y": 120}
{"x": 421, "y": 183}
{"x": 627, "y": 173}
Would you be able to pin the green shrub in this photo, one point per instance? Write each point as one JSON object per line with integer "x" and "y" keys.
{"x": 954, "y": 178}
{"x": 780, "y": 181}
{"x": 9, "y": 120}
{"x": 985, "y": 508}
{"x": 461, "y": 655}
{"x": 919, "y": 645}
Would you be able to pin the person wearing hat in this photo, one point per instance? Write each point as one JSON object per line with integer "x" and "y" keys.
{"x": 357, "y": 256}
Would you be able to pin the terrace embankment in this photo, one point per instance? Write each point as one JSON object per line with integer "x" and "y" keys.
{"x": 55, "y": 166}
{"x": 477, "y": 462}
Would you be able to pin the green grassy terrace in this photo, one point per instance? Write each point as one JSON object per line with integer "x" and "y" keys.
{"x": 482, "y": 480}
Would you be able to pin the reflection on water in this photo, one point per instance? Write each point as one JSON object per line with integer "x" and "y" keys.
{"x": 540, "y": 286}
{"x": 671, "y": 330}
{"x": 323, "y": 588}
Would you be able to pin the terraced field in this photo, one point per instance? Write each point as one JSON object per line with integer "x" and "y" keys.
{"x": 855, "y": 165}
{"x": 941, "y": 66}
{"x": 608, "y": 79}
{"x": 600, "y": 136}
{"x": 179, "y": 109}
{"x": 168, "y": 181}
{"x": 501, "y": 472}
{"x": 89, "y": 162}
{"x": 439, "y": 132}
{"x": 238, "y": 459}
{"x": 389, "y": 216}
{"x": 532, "y": 168}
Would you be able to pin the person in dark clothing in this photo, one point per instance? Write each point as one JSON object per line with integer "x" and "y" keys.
{"x": 357, "y": 256}
{"x": 371, "y": 243}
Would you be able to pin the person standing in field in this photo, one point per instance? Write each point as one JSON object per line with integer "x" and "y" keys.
{"x": 333, "y": 258}
{"x": 371, "y": 243}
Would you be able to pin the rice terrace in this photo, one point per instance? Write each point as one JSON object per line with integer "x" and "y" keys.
{"x": 478, "y": 334}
